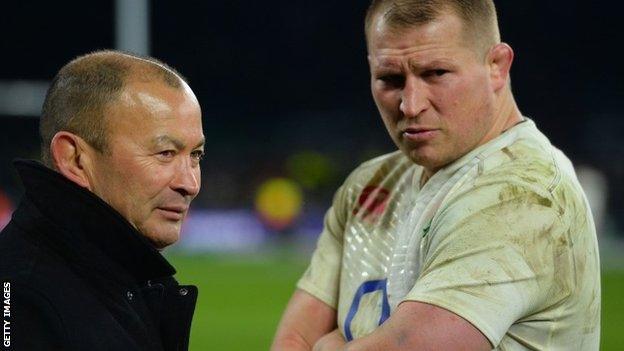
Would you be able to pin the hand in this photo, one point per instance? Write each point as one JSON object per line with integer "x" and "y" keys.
{"x": 330, "y": 342}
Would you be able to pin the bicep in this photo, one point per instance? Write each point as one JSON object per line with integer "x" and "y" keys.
{"x": 421, "y": 326}
{"x": 305, "y": 320}
{"x": 489, "y": 261}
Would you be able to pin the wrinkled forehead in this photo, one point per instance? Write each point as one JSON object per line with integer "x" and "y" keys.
{"x": 443, "y": 38}
{"x": 157, "y": 96}
{"x": 402, "y": 17}
{"x": 144, "y": 106}
{"x": 443, "y": 31}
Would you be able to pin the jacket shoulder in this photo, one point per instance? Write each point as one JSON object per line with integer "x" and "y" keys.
{"x": 19, "y": 255}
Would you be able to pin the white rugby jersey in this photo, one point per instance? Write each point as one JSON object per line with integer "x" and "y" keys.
{"x": 502, "y": 237}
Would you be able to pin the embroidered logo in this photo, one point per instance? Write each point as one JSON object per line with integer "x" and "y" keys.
{"x": 426, "y": 230}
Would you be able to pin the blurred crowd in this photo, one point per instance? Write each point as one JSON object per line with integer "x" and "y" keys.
{"x": 284, "y": 90}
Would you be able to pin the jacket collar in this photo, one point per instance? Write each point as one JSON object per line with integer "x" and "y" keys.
{"x": 82, "y": 217}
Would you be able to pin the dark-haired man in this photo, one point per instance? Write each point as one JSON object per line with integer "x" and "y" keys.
{"x": 121, "y": 143}
{"x": 475, "y": 235}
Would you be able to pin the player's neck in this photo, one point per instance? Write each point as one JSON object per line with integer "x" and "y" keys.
{"x": 508, "y": 116}
{"x": 509, "y": 112}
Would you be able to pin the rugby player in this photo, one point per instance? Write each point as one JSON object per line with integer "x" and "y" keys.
{"x": 475, "y": 234}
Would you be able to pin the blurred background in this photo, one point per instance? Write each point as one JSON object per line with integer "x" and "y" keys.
{"x": 287, "y": 115}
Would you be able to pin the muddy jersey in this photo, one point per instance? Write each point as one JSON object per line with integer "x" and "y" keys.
{"x": 502, "y": 237}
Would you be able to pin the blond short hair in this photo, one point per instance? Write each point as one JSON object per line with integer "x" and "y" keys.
{"x": 478, "y": 17}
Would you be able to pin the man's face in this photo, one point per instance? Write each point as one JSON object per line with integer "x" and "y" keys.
{"x": 432, "y": 90}
{"x": 150, "y": 172}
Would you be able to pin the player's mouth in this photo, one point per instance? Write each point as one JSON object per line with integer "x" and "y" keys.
{"x": 173, "y": 212}
{"x": 416, "y": 134}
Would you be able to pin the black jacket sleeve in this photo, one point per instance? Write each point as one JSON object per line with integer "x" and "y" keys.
{"x": 34, "y": 323}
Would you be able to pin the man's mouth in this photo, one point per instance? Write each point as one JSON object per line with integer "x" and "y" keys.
{"x": 419, "y": 134}
{"x": 173, "y": 212}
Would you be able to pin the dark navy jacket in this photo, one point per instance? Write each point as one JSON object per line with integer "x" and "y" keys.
{"x": 82, "y": 278}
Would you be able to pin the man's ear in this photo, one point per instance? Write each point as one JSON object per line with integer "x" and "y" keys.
{"x": 499, "y": 60}
{"x": 71, "y": 156}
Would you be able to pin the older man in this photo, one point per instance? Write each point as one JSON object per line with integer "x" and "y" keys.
{"x": 475, "y": 234}
{"x": 122, "y": 140}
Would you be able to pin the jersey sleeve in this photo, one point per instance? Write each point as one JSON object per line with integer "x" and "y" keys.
{"x": 489, "y": 256}
{"x": 322, "y": 277}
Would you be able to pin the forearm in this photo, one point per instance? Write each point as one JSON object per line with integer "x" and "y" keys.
{"x": 290, "y": 343}
{"x": 442, "y": 330}
{"x": 330, "y": 342}
{"x": 305, "y": 321}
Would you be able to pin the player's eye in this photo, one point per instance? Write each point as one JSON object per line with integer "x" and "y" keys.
{"x": 391, "y": 80}
{"x": 435, "y": 72}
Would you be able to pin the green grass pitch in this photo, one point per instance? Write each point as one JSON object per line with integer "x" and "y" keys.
{"x": 241, "y": 300}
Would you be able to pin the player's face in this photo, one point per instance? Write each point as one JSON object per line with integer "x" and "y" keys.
{"x": 432, "y": 89}
{"x": 151, "y": 171}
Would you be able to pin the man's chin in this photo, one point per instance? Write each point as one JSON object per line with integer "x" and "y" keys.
{"x": 417, "y": 156}
{"x": 161, "y": 244}
{"x": 429, "y": 162}
{"x": 161, "y": 238}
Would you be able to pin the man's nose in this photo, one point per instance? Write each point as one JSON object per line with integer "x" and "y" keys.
{"x": 187, "y": 180}
{"x": 414, "y": 99}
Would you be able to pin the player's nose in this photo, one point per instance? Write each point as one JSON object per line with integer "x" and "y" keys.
{"x": 414, "y": 98}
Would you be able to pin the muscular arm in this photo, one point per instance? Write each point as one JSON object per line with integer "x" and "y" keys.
{"x": 305, "y": 321}
{"x": 414, "y": 326}
{"x": 420, "y": 326}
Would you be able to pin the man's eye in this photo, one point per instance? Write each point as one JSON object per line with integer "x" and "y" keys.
{"x": 197, "y": 155}
{"x": 394, "y": 80}
{"x": 435, "y": 73}
{"x": 166, "y": 154}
